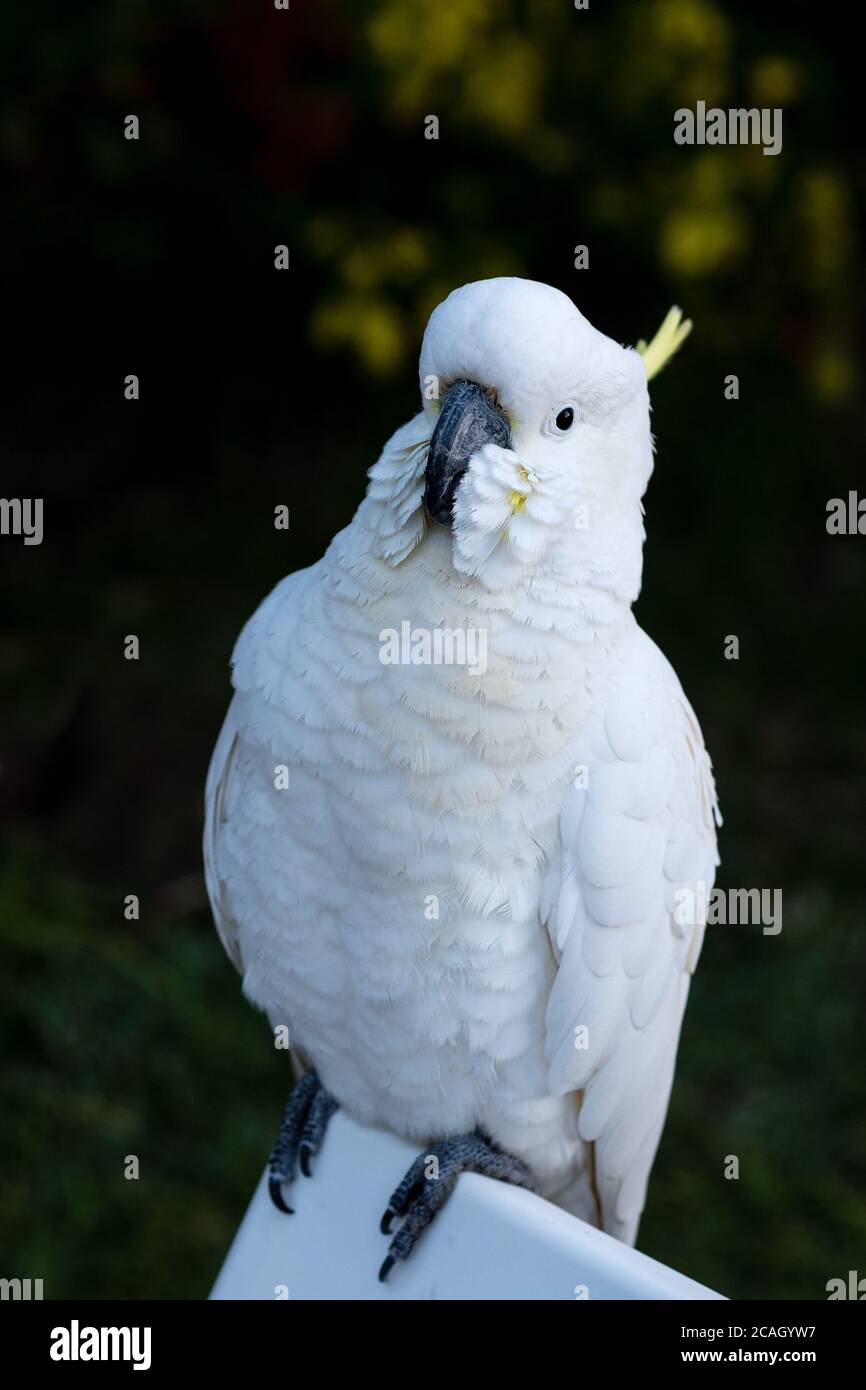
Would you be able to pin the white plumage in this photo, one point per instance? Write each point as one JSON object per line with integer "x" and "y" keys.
{"x": 550, "y": 806}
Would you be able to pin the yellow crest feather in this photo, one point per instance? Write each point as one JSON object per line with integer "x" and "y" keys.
{"x": 666, "y": 342}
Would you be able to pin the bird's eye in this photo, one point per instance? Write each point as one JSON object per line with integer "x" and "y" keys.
{"x": 561, "y": 419}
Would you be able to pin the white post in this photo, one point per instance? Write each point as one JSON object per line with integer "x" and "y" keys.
{"x": 490, "y": 1241}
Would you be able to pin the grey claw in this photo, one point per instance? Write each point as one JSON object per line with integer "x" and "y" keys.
{"x": 419, "y": 1198}
{"x": 301, "y": 1133}
{"x": 275, "y": 1187}
{"x": 387, "y": 1265}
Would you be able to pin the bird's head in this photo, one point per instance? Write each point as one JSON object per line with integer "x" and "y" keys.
{"x": 533, "y": 447}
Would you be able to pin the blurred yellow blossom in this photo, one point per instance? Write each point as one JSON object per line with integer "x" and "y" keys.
{"x": 833, "y": 373}
{"x": 775, "y": 81}
{"x": 825, "y": 213}
{"x": 372, "y": 328}
{"x": 695, "y": 241}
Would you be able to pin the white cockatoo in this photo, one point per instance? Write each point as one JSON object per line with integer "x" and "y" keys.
{"x": 458, "y": 790}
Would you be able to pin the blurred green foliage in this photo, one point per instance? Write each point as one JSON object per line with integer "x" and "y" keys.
{"x": 555, "y": 129}
{"x": 124, "y": 1045}
{"x": 307, "y": 128}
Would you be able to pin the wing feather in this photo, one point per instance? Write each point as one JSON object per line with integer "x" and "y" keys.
{"x": 215, "y": 815}
{"x": 643, "y": 827}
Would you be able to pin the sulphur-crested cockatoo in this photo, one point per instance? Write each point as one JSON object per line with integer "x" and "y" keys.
{"x": 458, "y": 788}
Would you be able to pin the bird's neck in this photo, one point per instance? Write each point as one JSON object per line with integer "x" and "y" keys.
{"x": 556, "y": 598}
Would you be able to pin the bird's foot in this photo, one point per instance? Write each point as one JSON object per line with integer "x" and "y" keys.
{"x": 432, "y": 1178}
{"x": 305, "y": 1120}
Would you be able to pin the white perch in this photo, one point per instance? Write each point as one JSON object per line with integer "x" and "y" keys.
{"x": 490, "y": 1242}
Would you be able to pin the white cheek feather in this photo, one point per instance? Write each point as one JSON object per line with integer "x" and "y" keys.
{"x": 502, "y": 520}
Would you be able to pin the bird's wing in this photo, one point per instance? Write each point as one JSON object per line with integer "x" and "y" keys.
{"x": 215, "y": 814}
{"x": 255, "y": 666}
{"x": 642, "y": 828}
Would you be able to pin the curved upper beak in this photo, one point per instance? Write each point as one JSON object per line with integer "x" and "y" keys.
{"x": 467, "y": 421}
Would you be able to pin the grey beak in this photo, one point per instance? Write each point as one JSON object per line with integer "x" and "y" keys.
{"x": 467, "y": 421}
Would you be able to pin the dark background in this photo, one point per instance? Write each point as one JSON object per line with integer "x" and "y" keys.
{"x": 260, "y": 388}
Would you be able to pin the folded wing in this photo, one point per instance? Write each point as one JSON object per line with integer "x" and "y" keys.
{"x": 641, "y": 829}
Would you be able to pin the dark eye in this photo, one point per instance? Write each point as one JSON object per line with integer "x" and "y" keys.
{"x": 565, "y": 419}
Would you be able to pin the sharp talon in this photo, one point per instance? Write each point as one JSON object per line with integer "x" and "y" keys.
{"x": 302, "y": 1130}
{"x": 387, "y": 1265}
{"x": 275, "y": 1187}
{"x": 417, "y": 1202}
